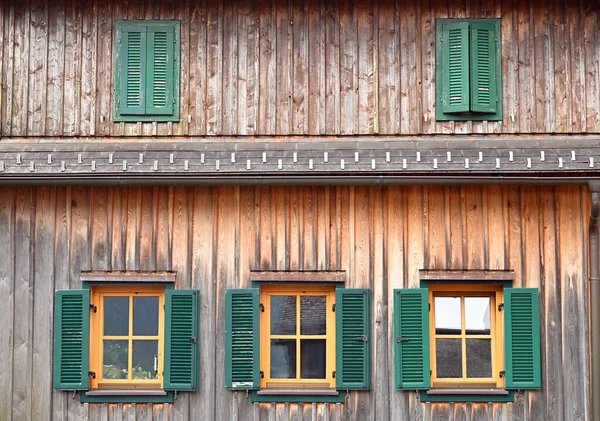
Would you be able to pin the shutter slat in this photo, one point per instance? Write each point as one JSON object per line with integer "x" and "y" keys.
{"x": 483, "y": 67}
{"x": 242, "y": 339}
{"x": 71, "y": 339}
{"x": 455, "y": 67}
{"x": 353, "y": 370}
{"x": 132, "y": 71}
{"x": 522, "y": 333}
{"x": 159, "y": 84}
{"x": 181, "y": 340}
{"x": 411, "y": 321}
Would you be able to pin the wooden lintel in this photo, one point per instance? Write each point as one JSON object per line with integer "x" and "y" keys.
{"x": 467, "y": 275}
{"x": 299, "y": 276}
{"x": 128, "y": 276}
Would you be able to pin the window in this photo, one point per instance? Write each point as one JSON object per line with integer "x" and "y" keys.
{"x": 147, "y": 70}
{"x": 304, "y": 334}
{"x": 125, "y": 333}
{"x": 467, "y": 335}
{"x": 468, "y": 69}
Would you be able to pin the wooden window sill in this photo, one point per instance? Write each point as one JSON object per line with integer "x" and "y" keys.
{"x": 298, "y": 392}
{"x": 499, "y": 392}
{"x": 127, "y": 392}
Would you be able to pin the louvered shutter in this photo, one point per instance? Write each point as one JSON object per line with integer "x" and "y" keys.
{"x": 160, "y": 76}
{"x": 242, "y": 351}
{"x": 411, "y": 338}
{"x": 522, "y": 338}
{"x": 132, "y": 70}
{"x": 455, "y": 67}
{"x": 483, "y": 67}
{"x": 181, "y": 340}
{"x": 353, "y": 365}
{"x": 71, "y": 339}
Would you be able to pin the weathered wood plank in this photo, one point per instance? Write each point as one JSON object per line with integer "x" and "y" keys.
{"x": 20, "y": 65}
{"x": 283, "y": 74}
{"x": 300, "y": 70}
{"x": 474, "y": 227}
{"x": 101, "y": 224}
{"x": 267, "y": 67}
{"x": 71, "y": 75}
{"x": 494, "y": 228}
{"x": 316, "y": 68}
{"x": 365, "y": 67}
{"x": 577, "y": 67}
{"x": 89, "y": 29}
{"x": 38, "y": 34}
{"x": 348, "y": 68}
{"x": 230, "y": 68}
{"x": 592, "y": 81}
{"x": 309, "y": 231}
{"x": 104, "y": 100}
{"x": 434, "y": 218}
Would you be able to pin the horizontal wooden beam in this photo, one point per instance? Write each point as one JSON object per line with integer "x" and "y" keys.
{"x": 299, "y": 276}
{"x": 128, "y": 276}
{"x": 466, "y": 275}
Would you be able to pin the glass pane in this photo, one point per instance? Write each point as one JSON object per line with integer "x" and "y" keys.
{"x": 312, "y": 358}
{"x": 283, "y": 315}
{"x": 313, "y": 311}
{"x": 144, "y": 360}
{"x": 448, "y": 358}
{"x": 145, "y": 316}
{"x": 479, "y": 358}
{"x": 116, "y": 316}
{"x": 447, "y": 316}
{"x": 114, "y": 359}
{"x": 283, "y": 359}
{"x": 477, "y": 315}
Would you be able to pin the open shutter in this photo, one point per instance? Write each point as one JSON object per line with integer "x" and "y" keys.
{"x": 353, "y": 365}
{"x": 181, "y": 340}
{"x": 242, "y": 351}
{"x": 522, "y": 336}
{"x": 455, "y": 67}
{"x": 132, "y": 70}
{"x": 160, "y": 75}
{"x": 411, "y": 338}
{"x": 483, "y": 67}
{"x": 71, "y": 339}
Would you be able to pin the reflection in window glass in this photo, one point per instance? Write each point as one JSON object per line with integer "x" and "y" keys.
{"x": 448, "y": 358}
{"x": 477, "y": 315}
{"x": 115, "y": 358}
{"x": 312, "y": 358}
{"x": 116, "y": 316}
{"x": 145, "y": 360}
{"x": 479, "y": 358}
{"x": 447, "y": 316}
{"x": 283, "y": 359}
{"x": 313, "y": 314}
{"x": 283, "y": 315}
{"x": 145, "y": 316}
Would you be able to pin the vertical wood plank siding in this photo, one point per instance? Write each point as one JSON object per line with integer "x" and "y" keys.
{"x": 302, "y": 67}
{"x": 214, "y": 236}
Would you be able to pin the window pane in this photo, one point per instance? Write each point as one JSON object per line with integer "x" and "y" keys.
{"x": 145, "y": 316}
{"x": 448, "y": 358}
{"x": 447, "y": 316}
{"x": 283, "y": 315}
{"x": 313, "y": 311}
{"x": 477, "y": 315}
{"x": 144, "y": 360}
{"x": 283, "y": 359}
{"x": 116, "y": 316}
{"x": 312, "y": 358}
{"x": 479, "y": 358}
{"x": 114, "y": 359}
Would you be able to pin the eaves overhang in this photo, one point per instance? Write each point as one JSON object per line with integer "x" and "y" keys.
{"x": 480, "y": 159}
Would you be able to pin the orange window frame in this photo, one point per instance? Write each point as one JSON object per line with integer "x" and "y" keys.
{"x": 97, "y": 295}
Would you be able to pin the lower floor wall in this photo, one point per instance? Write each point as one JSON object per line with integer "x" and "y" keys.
{"x": 213, "y": 237}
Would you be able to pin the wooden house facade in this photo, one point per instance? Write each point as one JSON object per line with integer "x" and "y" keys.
{"x": 304, "y": 145}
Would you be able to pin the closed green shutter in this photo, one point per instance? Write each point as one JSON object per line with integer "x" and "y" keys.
{"x": 411, "y": 338}
{"x": 160, "y": 77}
{"x": 353, "y": 365}
{"x": 455, "y": 67}
{"x": 522, "y": 338}
{"x": 71, "y": 339}
{"x": 181, "y": 340}
{"x": 242, "y": 351}
{"x": 483, "y": 67}
{"x": 133, "y": 70}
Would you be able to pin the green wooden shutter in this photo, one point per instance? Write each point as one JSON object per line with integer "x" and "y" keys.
{"x": 483, "y": 67}
{"x": 242, "y": 350}
{"x": 132, "y": 70}
{"x": 181, "y": 340}
{"x": 160, "y": 73}
{"x": 411, "y": 338}
{"x": 353, "y": 365}
{"x": 71, "y": 339}
{"x": 522, "y": 338}
{"x": 455, "y": 67}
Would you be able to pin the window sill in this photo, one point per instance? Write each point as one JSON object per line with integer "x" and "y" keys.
{"x": 466, "y": 395}
{"x": 303, "y": 391}
{"x": 126, "y": 396}
{"x": 298, "y": 396}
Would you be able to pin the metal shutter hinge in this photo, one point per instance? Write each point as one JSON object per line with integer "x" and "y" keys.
{"x": 502, "y": 373}
{"x": 262, "y": 307}
{"x": 401, "y": 339}
{"x": 333, "y": 308}
{"x": 93, "y": 308}
{"x": 500, "y": 306}
{"x": 92, "y": 373}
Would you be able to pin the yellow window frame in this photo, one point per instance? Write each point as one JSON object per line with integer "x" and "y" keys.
{"x": 495, "y": 292}
{"x": 97, "y": 295}
{"x": 266, "y": 292}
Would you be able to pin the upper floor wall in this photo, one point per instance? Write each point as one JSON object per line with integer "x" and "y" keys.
{"x": 299, "y": 67}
